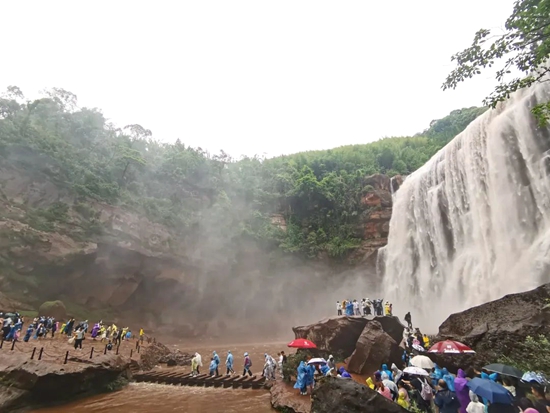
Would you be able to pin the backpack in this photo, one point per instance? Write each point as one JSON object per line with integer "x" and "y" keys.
{"x": 426, "y": 392}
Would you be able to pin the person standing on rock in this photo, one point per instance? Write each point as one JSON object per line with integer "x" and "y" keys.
{"x": 338, "y": 308}
{"x": 79, "y": 337}
{"x": 229, "y": 363}
{"x": 356, "y": 308}
{"x": 349, "y": 308}
{"x": 408, "y": 319}
{"x": 301, "y": 378}
{"x": 247, "y": 365}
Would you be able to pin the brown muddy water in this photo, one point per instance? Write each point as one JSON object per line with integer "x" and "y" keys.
{"x": 155, "y": 398}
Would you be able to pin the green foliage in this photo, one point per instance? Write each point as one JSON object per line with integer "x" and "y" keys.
{"x": 524, "y": 47}
{"x": 531, "y": 355}
{"x": 203, "y": 198}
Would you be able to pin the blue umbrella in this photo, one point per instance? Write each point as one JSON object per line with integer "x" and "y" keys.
{"x": 531, "y": 376}
{"x": 491, "y": 391}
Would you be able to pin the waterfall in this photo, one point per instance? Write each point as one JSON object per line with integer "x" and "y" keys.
{"x": 473, "y": 223}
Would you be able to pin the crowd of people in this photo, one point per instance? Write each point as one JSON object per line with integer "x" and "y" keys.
{"x": 440, "y": 391}
{"x": 270, "y": 368}
{"x": 364, "y": 308}
{"x": 42, "y": 327}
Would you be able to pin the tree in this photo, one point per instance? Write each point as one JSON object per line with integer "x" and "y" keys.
{"x": 523, "y": 47}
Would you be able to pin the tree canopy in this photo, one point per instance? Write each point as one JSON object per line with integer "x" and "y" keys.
{"x": 198, "y": 194}
{"x": 523, "y": 47}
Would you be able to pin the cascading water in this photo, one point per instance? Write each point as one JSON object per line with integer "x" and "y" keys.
{"x": 473, "y": 223}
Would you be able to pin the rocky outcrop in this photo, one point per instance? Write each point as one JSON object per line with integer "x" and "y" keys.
{"x": 334, "y": 395}
{"x": 284, "y": 398}
{"x": 55, "y": 309}
{"x": 335, "y": 335}
{"x": 152, "y": 355}
{"x": 373, "y": 348}
{"x": 176, "y": 358}
{"x": 494, "y": 329}
{"x": 28, "y": 383}
{"x": 392, "y": 326}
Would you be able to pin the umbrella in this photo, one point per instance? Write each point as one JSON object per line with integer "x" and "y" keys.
{"x": 415, "y": 371}
{"x": 531, "y": 376}
{"x": 504, "y": 370}
{"x": 316, "y": 360}
{"x": 491, "y": 391}
{"x": 450, "y": 347}
{"x": 422, "y": 362}
{"x": 301, "y": 343}
{"x": 419, "y": 348}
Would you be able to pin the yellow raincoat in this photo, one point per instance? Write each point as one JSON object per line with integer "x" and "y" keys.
{"x": 370, "y": 383}
{"x": 401, "y": 401}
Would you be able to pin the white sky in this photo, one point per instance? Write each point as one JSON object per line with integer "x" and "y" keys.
{"x": 251, "y": 77}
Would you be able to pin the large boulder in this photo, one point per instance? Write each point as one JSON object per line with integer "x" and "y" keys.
{"x": 54, "y": 309}
{"x": 335, "y": 335}
{"x": 28, "y": 383}
{"x": 176, "y": 358}
{"x": 333, "y": 395}
{"x": 494, "y": 328}
{"x": 152, "y": 355}
{"x": 392, "y": 326}
{"x": 284, "y": 398}
{"x": 374, "y": 347}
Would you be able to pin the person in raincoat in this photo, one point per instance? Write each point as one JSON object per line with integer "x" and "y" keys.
{"x": 194, "y": 366}
{"x": 213, "y": 367}
{"x": 216, "y": 359}
{"x": 229, "y": 363}
{"x": 397, "y": 374}
{"x": 199, "y": 362}
{"x": 385, "y": 370}
{"x": 449, "y": 379}
{"x": 301, "y": 378}
{"x": 342, "y": 373}
{"x": 310, "y": 376}
{"x": 325, "y": 370}
{"x": 402, "y": 401}
{"x": 436, "y": 375}
{"x": 387, "y": 310}
{"x": 95, "y": 330}
{"x": 247, "y": 365}
{"x": 462, "y": 391}
{"x": 349, "y": 308}
{"x": 28, "y": 334}
{"x": 426, "y": 340}
{"x": 475, "y": 406}
{"x": 268, "y": 367}
{"x": 331, "y": 363}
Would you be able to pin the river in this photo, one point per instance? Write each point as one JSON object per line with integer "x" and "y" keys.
{"x": 153, "y": 398}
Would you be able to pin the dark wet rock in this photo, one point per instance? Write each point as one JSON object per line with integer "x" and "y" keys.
{"x": 54, "y": 309}
{"x": 334, "y": 395}
{"x": 285, "y": 398}
{"x": 335, "y": 335}
{"x": 152, "y": 355}
{"x": 494, "y": 329}
{"x": 392, "y": 326}
{"x": 28, "y": 383}
{"x": 374, "y": 347}
{"x": 177, "y": 358}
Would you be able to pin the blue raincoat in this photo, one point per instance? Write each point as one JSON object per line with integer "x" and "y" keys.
{"x": 449, "y": 379}
{"x": 301, "y": 377}
{"x": 324, "y": 369}
{"x": 216, "y": 358}
{"x": 436, "y": 375}
{"x": 344, "y": 373}
{"x": 387, "y": 371}
{"x": 349, "y": 308}
{"x": 28, "y": 334}
{"x": 229, "y": 361}
{"x": 310, "y": 373}
{"x": 212, "y": 368}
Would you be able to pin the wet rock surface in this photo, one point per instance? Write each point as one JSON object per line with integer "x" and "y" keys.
{"x": 335, "y": 335}
{"x": 374, "y": 347}
{"x": 157, "y": 353}
{"x": 334, "y": 395}
{"x": 496, "y": 327}
{"x": 285, "y": 398}
{"x": 177, "y": 358}
{"x": 28, "y": 383}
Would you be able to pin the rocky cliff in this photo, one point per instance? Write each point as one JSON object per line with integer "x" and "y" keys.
{"x": 114, "y": 262}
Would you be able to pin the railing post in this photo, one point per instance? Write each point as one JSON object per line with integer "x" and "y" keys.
{"x": 117, "y": 347}
{"x": 138, "y": 348}
{"x": 131, "y": 351}
{"x": 2, "y": 342}
{"x": 66, "y": 357}
{"x": 33, "y": 351}
{"x": 105, "y": 351}
{"x": 92, "y": 353}
{"x": 40, "y": 354}
{"x": 13, "y": 345}
{"x": 137, "y": 344}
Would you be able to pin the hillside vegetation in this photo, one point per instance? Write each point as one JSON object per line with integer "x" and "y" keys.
{"x": 194, "y": 192}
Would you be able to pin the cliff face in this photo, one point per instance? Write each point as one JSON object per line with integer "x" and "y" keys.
{"x": 114, "y": 261}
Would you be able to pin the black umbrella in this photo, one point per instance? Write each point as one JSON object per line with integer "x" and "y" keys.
{"x": 504, "y": 370}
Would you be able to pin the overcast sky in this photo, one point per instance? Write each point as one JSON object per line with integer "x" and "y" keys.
{"x": 251, "y": 77}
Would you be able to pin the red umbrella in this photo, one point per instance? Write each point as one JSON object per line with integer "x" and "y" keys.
{"x": 450, "y": 347}
{"x": 301, "y": 343}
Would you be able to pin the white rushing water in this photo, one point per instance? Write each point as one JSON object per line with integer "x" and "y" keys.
{"x": 473, "y": 223}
